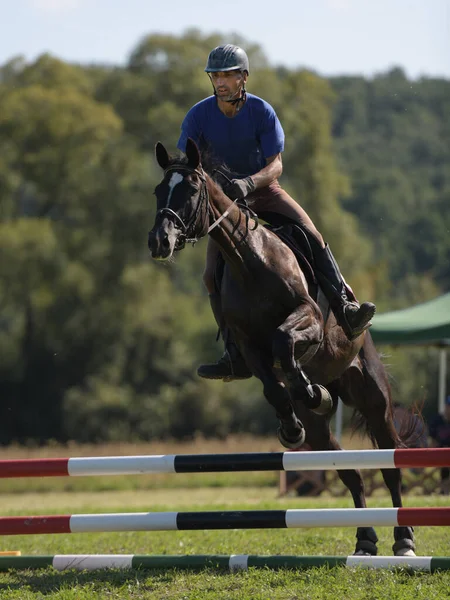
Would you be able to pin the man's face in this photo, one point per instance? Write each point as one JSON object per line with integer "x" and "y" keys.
{"x": 228, "y": 84}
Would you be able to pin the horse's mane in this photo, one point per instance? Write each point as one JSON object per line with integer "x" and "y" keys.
{"x": 216, "y": 169}
{"x": 213, "y": 166}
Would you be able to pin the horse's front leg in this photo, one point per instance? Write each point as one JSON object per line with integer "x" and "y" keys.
{"x": 295, "y": 342}
{"x": 291, "y": 432}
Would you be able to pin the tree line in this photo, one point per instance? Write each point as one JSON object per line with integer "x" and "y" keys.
{"x": 97, "y": 342}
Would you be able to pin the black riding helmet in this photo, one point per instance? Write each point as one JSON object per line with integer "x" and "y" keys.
{"x": 227, "y": 58}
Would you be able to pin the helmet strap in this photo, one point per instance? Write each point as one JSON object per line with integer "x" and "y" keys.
{"x": 240, "y": 99}
{"x": 234, "y": 101}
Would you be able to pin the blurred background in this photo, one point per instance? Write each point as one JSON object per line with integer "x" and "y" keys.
{"x": 100, "y": 344}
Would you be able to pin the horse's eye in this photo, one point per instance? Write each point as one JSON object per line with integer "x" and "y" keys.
{"x": 193, "y": 179}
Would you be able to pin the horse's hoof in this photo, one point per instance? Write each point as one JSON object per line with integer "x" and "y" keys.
{"x": 405, "y": 552}
{"x": 367, "y": 542}
{"x": 291, "y": 442}
{"x": 404, "y": 546}
{"x": 323, "y": 397}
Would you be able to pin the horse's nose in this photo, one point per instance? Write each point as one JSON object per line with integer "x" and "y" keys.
{"x": 151, "y": 240}
{"x": 165, "y": 243}
{"x": 158, "y": 243}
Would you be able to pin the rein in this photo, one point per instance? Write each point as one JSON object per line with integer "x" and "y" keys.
{"x": 204, "y": 197}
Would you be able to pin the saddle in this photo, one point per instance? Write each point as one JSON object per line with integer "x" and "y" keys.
{"x": 296, "y": 239}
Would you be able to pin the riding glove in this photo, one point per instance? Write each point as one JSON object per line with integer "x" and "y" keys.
{"x": 240, "y": 188}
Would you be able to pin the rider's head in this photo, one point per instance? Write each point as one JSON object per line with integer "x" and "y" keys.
{"x": 228, "y": 69}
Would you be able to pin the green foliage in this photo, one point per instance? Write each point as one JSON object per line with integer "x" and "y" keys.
{"x": 392, "y": 140}
{"x": 99, "y": 343}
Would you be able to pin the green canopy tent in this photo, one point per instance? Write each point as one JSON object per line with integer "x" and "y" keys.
{"x": 423, "y": 324}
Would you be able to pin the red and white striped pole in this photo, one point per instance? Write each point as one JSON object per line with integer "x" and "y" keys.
{"x": 207, "y": 463}
{"x": 253, "y": 519}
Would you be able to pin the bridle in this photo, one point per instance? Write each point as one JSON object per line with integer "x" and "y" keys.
{"x": 188, "y": 229}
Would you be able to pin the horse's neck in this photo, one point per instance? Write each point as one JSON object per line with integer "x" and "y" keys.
{"x": 232, "y": 233}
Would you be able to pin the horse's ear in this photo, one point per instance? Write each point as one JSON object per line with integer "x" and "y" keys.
{"x": 192, "y": 153}
{"x": 161, "y": 156}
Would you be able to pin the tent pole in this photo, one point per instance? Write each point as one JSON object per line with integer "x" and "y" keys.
{"x": 339, "y": 421}
{"x": 442, "y": 379}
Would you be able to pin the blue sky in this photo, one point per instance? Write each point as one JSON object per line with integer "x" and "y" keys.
{"x": 329, "y": 36}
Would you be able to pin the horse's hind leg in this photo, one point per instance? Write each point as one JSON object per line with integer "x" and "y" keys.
{"x": 367, "y": 389}
{"x": 319, "y": 437}
{"x": 384, "y": 432}
{"x": 366, "y": 536}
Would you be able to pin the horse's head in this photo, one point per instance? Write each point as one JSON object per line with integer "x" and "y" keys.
{"x": 182, "y": 203}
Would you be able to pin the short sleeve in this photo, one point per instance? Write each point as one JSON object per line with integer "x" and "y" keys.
{"x": 272, "y": 134}
{"x": 189, "y": 129}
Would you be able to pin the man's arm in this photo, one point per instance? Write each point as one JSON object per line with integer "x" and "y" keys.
{"x": 189, "y": 129}
{"x": 272, "y": 170}
{"x": 240, "y": 188}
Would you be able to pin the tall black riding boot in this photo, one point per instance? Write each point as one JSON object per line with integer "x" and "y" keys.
{"x": 352, "y": 317}
{"x": 231, "y": 365}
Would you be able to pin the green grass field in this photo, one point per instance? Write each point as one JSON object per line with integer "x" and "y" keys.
{"x": 241, "y": 493}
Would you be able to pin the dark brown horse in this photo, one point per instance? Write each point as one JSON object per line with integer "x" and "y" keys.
{"x": 303, "y": 363}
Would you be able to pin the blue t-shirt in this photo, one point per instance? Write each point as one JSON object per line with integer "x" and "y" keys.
{"x": 242, "y": 142}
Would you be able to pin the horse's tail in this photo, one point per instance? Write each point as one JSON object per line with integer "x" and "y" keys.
{"x": 408, "y": 428}
{"x": 405, "y": 426}
{"x": 411, "y": 427}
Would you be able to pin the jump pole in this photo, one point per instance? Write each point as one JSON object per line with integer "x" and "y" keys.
{"x": 252, "y": 519}
{"x": 233, "y": 562}
{"x": 215, "y": 463}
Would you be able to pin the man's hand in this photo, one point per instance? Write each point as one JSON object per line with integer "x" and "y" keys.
{"x": 240, "y": 188}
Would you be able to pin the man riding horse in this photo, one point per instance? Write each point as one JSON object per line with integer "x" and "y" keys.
{"x": 244, "y": 132}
